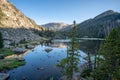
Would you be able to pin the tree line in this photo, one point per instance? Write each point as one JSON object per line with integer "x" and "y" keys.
{"x": 106, "y": 64}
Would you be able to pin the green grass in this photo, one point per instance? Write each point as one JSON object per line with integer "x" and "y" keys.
{"x": 6, "y": 52}
{"x": 44, "y": 40}
{"x": 27, "y": 43}
{"x": 7, "y": 64}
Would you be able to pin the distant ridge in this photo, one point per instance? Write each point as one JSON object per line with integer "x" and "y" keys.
{"x": 99, "y": 26}
{"x": 106, "y": 13}
{"x": 55, "y": 26}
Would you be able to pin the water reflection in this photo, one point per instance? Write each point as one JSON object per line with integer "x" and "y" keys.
{"x": 41, "y": 65}
{"x": 59, "y": 45}
{"x": 16, "y": 55}
{"x": 90, "y": 46}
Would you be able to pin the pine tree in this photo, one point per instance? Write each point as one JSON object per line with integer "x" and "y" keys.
{"x": 1, "y": 41}
{"x": 70, "y": 63}
{"x": 109, "y": 65}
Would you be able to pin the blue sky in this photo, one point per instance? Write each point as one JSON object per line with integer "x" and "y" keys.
{"x": 45, "y": 11}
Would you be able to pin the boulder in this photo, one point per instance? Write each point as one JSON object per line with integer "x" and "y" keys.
{"x": 20, "y": 59}
{"x": 19, "y": 50}
{"x": 1, "y": 56}
{"x": 48, "y": 50}
{"x": 4, "y": 76}
{"x": 30, "y": 46}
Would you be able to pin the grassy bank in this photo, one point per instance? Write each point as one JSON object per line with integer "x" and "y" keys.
{"x": 24, "y": 43}
{"x": 6, "y": 64}
{"x": 6, "y": 52}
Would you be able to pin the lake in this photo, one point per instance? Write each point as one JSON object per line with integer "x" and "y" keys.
{"x": 41, "y": 65}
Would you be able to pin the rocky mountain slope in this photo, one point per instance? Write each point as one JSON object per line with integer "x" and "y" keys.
{"x": 99, "y": 26}
{"x": 14, "y": 25}
{"x": 13, "y": 18}
{"x": 55, "y": 26}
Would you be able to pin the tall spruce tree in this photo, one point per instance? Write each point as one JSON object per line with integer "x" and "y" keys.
{"x": 1, "y": 41}
{"x": 109, "y": 66}
{"x": 70, "y": 63}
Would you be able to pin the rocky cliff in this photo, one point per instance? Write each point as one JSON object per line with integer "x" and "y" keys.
{"x": 14, "y": 25}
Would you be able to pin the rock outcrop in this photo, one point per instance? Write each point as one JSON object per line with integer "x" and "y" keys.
{"x": 15, "y": 26}
{"x": 4, "y": 76}
{"x": 13, "y": 18}
{"x": 19, "y": 50}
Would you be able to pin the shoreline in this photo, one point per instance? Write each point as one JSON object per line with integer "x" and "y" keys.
{"x": 10, "y": 62}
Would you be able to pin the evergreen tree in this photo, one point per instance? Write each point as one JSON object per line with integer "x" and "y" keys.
{"x": 1, "y": 41}
{"x": 70, "y": 63}
{"x": 109, "y": 66}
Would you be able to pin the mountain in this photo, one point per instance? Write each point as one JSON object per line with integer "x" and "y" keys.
{"x": 99, "y": 26}
{"x": 14, "y": 25}
{"x": 13, "y": 18}
{"x": 55, "y": 26}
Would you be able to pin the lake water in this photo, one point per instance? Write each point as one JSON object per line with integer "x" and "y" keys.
{"x": 41, "y": 65}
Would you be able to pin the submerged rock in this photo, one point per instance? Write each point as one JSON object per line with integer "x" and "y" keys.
{"x": 24, "y": 78}
{"x": 4, "y": 76}
{"x": 32, "y": 50}
{"x": 58, "y": 61}
{"x": 41, "y": 68}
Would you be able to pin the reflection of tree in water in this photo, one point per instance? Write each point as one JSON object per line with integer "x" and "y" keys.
{"x": 70, "y": 63}
{"x": 90, "y": 46}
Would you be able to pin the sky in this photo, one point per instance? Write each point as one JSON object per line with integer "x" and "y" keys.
{"x": 46, "y": 11}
